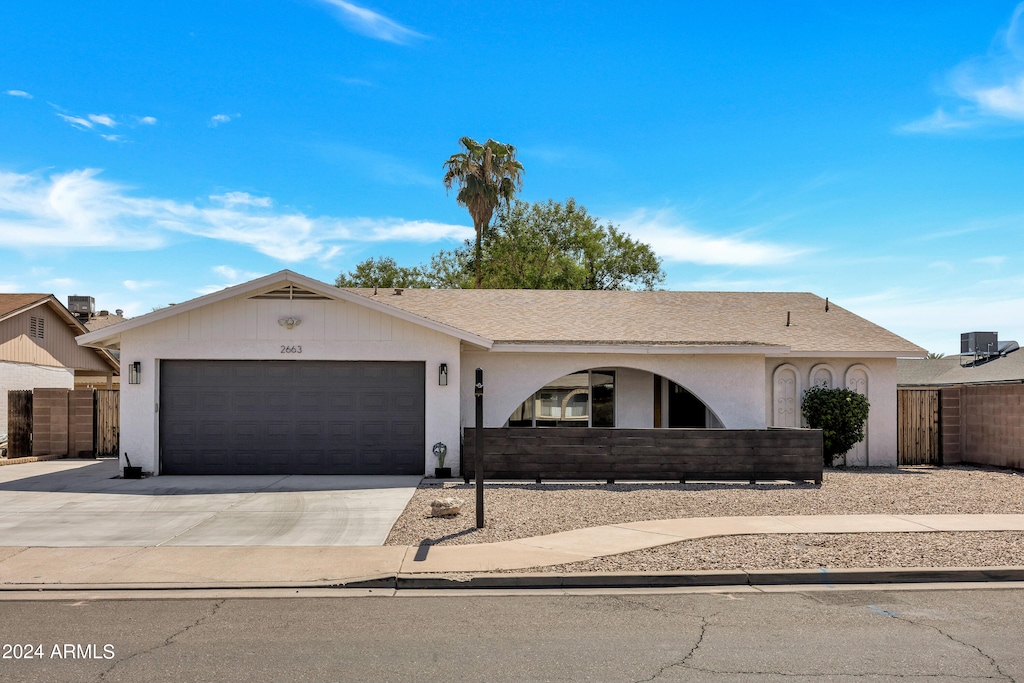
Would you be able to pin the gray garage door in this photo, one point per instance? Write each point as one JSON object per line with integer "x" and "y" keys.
{"x": 291, "y": 417}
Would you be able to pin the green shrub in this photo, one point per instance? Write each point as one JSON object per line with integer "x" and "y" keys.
{"x": 840, "y": 414}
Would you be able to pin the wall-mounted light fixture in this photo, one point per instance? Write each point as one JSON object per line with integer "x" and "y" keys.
{"x": 289, "y": 322}
{"x": 135, "y": 373}
{"x": 442, "y": 375}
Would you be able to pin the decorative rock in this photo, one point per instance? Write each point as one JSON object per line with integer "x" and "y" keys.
{"x": 445, "y": 507}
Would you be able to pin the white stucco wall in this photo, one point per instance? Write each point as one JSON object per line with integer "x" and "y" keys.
{"x": 733, "y": 386}
{"x": 634, "y": 399}
{"x": 248, "y": 329}
{"x": 882, "y": 427}
{"x": 15, "y": 376}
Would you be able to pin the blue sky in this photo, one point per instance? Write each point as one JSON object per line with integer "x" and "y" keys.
{"x": 868, "y": 152}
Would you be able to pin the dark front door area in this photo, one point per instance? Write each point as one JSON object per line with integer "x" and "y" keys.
{"x": 291, "y": 417}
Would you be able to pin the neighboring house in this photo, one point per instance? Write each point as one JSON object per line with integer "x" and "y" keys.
{"x": 954, "y": 409}
{"x": 38, "y": 348}
{"x": 959, "y": 370}
{"x": 97, "y": 321}
{"x": 286, "y": 374}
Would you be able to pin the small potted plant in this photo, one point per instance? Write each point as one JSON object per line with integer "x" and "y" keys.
{"x": 440, "y": 451}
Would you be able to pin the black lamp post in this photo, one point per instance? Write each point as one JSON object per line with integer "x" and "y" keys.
{"x": 479, "y": 391}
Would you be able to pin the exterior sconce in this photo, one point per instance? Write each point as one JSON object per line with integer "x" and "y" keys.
{"x": 289, "y": 322}
{"x": 135, "y": 373}
{"x": 442, "y": 375}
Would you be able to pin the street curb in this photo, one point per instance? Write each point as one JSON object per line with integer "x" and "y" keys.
{"x": 543, "y": 580}
{"x": 775, "y": 577}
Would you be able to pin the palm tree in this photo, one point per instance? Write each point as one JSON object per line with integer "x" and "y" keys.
{"x": 487, "y": 175}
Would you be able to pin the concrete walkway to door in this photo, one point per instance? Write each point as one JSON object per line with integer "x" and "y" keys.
{"x": 82, "y": 503}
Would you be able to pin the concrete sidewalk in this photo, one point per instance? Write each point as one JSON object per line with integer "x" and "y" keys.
{"x": 252, "y": 566}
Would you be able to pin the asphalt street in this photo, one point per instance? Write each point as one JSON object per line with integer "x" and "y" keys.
{"x": 802, "y": 635}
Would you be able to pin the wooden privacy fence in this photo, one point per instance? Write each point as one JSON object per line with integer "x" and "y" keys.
{"x": 19, "y": 423}
{"x": 80, "y": 423}
{"x": 919, "y": 427}
{"x": 108, "y": 422}
{"x": 654, "y": 454}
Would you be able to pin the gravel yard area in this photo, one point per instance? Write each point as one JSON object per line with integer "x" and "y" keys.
{"x": 522, "y": 510}
{"x": 813, "y": 551}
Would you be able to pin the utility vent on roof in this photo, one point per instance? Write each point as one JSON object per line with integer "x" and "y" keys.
{"x": 291, "y": 293}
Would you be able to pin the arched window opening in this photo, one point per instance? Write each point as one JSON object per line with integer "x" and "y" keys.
{"x": 580, "y": 399}
{"x": 676, "y": 407}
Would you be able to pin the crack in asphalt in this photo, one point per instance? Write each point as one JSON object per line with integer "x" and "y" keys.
{"x": 167, "y": 641}
{"x": 684, "y": 662}
{"x": 991, "y": 660}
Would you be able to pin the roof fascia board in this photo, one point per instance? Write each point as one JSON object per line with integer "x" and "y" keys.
{"x": 28, "y": 307}
{"x": 842, "y": 354}
{"x": 103, "y": 337}
{"x": 637, "y": 349}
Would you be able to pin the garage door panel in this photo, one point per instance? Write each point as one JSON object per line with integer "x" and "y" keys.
{"x": 292, "y": 417}
{"x": 373, "y": 401}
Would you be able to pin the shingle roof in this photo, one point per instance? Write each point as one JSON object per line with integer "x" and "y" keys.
{"x": 947, "y": 371}
{"x": 9, "y": 303}
{"x": 98, "y": 322}
{"x": 651, "y": 318}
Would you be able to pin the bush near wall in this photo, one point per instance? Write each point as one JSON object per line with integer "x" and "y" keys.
{"x": 840, "y": 414}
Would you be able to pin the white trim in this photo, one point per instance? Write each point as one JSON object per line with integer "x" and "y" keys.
{"x": 110, "y": 336}
{"x": 839, "y": 354}
{"x": 658, "y": 349}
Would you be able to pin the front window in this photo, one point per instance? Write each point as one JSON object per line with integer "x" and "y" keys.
{"x": 582, "y": 399}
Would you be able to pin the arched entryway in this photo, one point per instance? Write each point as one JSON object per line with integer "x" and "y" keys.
{"x": 613, "y": 397}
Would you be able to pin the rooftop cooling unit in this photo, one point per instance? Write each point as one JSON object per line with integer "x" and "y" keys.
{"x": 980, "y": 345}
{"x": 82, "y": 306}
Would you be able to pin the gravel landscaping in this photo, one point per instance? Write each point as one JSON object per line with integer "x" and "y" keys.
{"x": 522, "y": 510}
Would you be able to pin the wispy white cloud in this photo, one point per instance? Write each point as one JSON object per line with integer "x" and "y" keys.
{"x": 234, "y": 275}
{"x": 674, "y": 240}
{"x": 147, "y": 120}
{"x": 139, "y": 285}
{"x": 103, "y": 120}
{"x": 984, "y": 90}
{"x": 62, "y": 283}
{"x": 218, "y": 119}
{"x": 18, "y": 93}
{"x": 80, "y": 209}
{"x": 371, "y": 24}
{"x": 993, "y": 261}
{"x": 77, "y": 121}
{"x": 230, "y": 199}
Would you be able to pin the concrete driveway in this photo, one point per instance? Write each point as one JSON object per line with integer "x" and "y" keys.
{"x": 82, "y": 503}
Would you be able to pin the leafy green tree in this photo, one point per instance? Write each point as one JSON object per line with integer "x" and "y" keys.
{"x": 382, "y": 272}
{"x": 487, "y": 175}
{"x": 551, "y": 246}
{"x": 935, "y": 356}
{"x": 840, "y": 414}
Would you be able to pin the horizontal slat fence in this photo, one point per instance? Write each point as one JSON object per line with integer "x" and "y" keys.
{"x": 919, "y": 429}
{"x": 654, "y": 454}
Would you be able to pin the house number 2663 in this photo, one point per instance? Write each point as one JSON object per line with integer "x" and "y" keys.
{"x": 291, "y": 349}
